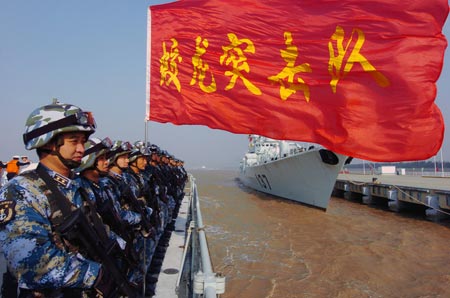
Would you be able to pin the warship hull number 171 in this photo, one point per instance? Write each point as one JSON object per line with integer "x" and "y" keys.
{"x": 290, "y": 170}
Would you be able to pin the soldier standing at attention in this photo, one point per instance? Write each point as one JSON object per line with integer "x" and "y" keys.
{"x": 45, "y": 263}
{"x": 93, "y": 167}
{"x": 134, "y": 177}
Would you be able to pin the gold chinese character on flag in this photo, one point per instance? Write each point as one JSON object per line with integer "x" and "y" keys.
{"x": 233, "y": 55}
{"x": 286, "y": 76}
{"x": 201, "y": 67}
{"x": 338, "y": 68}
{"x": 169, "y": 65}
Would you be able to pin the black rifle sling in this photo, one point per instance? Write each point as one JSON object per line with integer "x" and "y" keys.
{"x": 56, "y": 200}
{"x": 95, "y": 218}
{"x": 137, "y": 206}
{"x": 59, "y": 202}
{"x": 120, "y": 224}
{"x": 108, "y": 210}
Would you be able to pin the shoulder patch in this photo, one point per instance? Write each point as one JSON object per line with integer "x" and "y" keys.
{"x": 7, "y": 212}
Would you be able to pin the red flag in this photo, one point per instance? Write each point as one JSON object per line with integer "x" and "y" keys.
{"x": 355, "y": 76}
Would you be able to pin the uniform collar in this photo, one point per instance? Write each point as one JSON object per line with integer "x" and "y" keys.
{"x": 58, "y": 178}
{"x": 115, "y": 175}
{"x": 94, "y": 184}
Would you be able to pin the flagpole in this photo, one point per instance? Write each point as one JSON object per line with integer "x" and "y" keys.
{"x": 145, "y": 132}
{"x": 148, "y": 68}
{"x": 147, "y": 101}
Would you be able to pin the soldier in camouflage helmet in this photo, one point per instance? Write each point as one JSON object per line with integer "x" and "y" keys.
{"x": 95, "y": 156}
{"x": 112, "y": 182}
{"x": 45, "y": 264}
{"x": 137, "y": 180}
{"x": 116, "y": 183}
{"x": 93, "y": 168}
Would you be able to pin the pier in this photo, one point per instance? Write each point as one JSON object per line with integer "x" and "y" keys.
{"x": 400, "y": 191}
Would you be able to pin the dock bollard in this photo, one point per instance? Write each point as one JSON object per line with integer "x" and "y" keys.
{"x": 433, "y": 213}
{"x": 367, "y": 195}
{"x": 347, "y": 192}
{"x": 394, "y": 203}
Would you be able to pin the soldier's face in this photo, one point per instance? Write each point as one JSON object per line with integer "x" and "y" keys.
{"x": 122, "y": 161}
{"x": 141, "y": 162}
{"x": 73, "y": 146}
{"x": 102, "y": 163}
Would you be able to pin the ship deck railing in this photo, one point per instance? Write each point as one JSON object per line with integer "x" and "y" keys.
{"x": 195, "y": 276}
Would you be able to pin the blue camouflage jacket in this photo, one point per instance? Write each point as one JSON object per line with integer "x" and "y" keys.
{"x": 111, "y": 184}
{"x": 33, "y": 253}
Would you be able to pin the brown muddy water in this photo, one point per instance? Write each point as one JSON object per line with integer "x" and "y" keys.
{"x": 269, "y": 247}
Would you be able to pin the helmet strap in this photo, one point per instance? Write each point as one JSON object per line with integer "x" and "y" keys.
{"x": 67, "y": 162}
{"x": 102, "y": 173}
{"x": 115, "y": 164}
{"x": 134, "y": 166}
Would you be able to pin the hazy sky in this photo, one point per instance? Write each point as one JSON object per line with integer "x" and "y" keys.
{"x": 93, "y": 54}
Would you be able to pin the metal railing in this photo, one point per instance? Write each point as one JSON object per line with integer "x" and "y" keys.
{"x": 408, "y": 172}
{"x": 197, "y": 278}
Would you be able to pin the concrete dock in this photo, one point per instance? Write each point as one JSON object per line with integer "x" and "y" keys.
{"x": 399, "y": 190}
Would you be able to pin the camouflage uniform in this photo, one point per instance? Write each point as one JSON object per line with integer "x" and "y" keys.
{"x": 159, "y": 188}
{"x": 112, "y": 188}
{"x": 152, "y": 182}
{"x": 96, "y": 195}
{"x": 45, "y": 264}
{"x": 93, "y": 170}
{"x": 115, "y": 183}
{"x": 33, "y": 252}
{"x": 136, "y": 184}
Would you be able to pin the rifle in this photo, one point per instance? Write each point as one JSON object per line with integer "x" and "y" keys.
{"x": 110, "y": 216}
{"x": 76, "y": 229}
{"x": 140, "y": 207}
{"x": 151, "y": 200}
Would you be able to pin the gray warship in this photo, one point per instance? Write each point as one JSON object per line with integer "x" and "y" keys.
{"x": 291, "y": 170}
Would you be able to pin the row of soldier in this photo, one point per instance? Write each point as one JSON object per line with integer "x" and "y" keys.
{"x": 86, "y": 222}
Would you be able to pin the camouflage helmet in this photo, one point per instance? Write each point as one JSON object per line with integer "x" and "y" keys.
{"x": 118, "y": 148}
{"x": 94, "y": 148}
{"x": 139, "y": 149}
{"x": 48, "y": 121}
{"x": 154, "y": 149}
